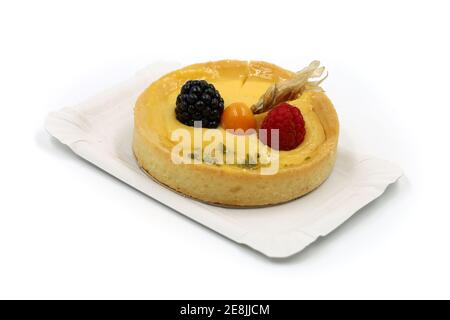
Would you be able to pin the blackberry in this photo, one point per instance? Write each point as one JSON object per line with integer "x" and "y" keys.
{"x": 199, "y": 101}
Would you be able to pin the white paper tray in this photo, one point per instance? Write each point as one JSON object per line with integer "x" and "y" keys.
{"x": 100, "y": 131}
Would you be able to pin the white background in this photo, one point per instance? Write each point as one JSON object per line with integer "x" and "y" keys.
{"x": 69, "y": 230}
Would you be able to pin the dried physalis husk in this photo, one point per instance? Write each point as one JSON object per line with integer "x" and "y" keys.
{"x": 291, "y": 89}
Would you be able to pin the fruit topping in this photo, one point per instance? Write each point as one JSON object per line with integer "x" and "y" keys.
{"x": 199, "y": 101}
{"x": 289, "y": 120}
{"x": 238, "y": 116}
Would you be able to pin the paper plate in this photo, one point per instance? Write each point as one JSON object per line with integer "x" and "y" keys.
{"x": 100, "y": 130}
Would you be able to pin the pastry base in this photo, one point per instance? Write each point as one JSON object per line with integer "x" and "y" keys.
{"x": 216, "y": 203}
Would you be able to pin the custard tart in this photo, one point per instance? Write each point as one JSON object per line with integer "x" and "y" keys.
{"x": 285, "y": 117}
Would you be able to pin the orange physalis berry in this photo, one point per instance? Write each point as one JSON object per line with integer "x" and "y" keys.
{"x": 238, "y": 116}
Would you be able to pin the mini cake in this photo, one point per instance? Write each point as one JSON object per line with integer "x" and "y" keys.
{"x": 300, "y": 132}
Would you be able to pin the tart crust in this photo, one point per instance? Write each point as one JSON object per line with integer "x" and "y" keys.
{"x": 239, "y": 187}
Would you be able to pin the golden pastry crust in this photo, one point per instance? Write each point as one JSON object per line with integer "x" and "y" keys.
{"x": 239, "y": 187}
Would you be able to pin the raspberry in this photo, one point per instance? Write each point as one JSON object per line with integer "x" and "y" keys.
{"x": 289, "y": 120}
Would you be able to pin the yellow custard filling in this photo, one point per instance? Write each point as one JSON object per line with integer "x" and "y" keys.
{"x": 244, "y": 84}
